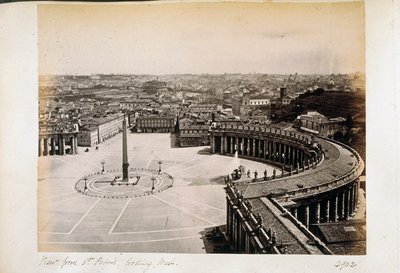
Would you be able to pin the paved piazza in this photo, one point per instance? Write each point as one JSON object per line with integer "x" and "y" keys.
{"x": 171, "y": 221}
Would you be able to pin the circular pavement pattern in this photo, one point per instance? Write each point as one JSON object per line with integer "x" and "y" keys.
{"x": 108, "y": 184}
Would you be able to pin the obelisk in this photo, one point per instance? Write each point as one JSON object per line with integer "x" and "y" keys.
{"x": 125, "y": 163}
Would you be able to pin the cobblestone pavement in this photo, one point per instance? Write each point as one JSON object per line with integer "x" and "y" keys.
{"x": 171, "y": 221}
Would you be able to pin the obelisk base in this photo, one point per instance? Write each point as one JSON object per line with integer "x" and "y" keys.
{"x": 125, "y": 176}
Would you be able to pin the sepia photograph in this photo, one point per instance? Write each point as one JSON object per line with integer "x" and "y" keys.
{"x": 202, "y": 128}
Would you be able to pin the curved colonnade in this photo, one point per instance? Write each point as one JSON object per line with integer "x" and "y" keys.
{"x": 318, "y": 184}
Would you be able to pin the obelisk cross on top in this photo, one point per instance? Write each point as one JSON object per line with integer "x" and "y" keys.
{"x": 125, "y": 163}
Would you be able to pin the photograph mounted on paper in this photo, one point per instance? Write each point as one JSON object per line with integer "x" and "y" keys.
{"x": 202, "y": 128}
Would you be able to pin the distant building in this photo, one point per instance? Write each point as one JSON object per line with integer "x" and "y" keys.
{"x": 88, "y": 137}
{"x": 155, "y": 124}
{"x": 259, "y": 101}
{"x": 316, "y": 123}
{"x": 107, "y": 127}
{"x": 193, "y": 135}
{"x": 286, "y": 101}
{"x": 203, "y": 108}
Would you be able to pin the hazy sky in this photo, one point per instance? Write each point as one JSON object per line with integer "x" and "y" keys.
{"x": 201, "y": 38}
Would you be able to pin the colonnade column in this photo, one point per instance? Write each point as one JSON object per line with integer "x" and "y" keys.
{"x": 213, "y": 144}
{"x": 73, "y": 145}
{"x": 333, "y": 206}
{"x": 346, "y": 204}
{"x": 46, "y": 147}
{"x": 272, "y": 154}
{"x": 228, "y": 217}
{"x": 250, "y": 147}
{"x": 341, "y": 206}
{"x": 351, "y": 201}
{"x": 326, "y": 211}
{"x": 223, "y": 144}
{"x": 254, "y": 147}
{"x": 76, "y": 144}
{"x": 279, "y": 152}
{"x": 40, "y": 150}
{"x": 265, "y": 149}
{"x": 307, "y": 216}
{"x": 356, "y": 194}
{"x": 61, "y": 145}
{"x": 317, "y": 212}
{"x": 53, "y": 145}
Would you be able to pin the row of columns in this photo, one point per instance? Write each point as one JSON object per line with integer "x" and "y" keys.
{"x": 237, "y": 232}
{"x": 271, "y": 150}
{"x": 339, "y": 206}
{"x": 55, "y": 145}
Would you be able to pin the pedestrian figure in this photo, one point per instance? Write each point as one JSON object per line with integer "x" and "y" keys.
{"x": 255, "y": 174}
{"x": 248, "y": 173}
{"x": 269, "y": 232}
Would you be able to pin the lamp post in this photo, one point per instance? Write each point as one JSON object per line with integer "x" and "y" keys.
{"x": 102, "y": 165}
{"x": 159, "y": 166}
{"x": 85, "y": 189}
{"x": 152, "y": 180}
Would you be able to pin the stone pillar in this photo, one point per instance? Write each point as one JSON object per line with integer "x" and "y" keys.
{"x": 351, "y": 201}
{"x": 254, "y": 147}
{"x": 317, "y": 212}
{"x": 239, "y": 235}
{"x": 249, "y": 146}
{"x": 76, "y": 144}
{"x": 346, "y": 204}
{"x": 72, "y": 145}
{"x": 46, "y": 147}
{"x": 61, "y": 145}
{"x": 289, "y": 156}
{"x": 223, "y": 144}
{"x": 280, "y": 152}
{"x": 232, "y": 140}
{"x": 302, "y": 156}
{"x": 342, "y": 205}
{"x": 355, "y": 194}
{"x": 265, "y": 149}
{"x": 232, "y": 236}
{"x": 213, "y": 144}
{"x": 53, "y": 146}
{"x": 228, "y": 217}
{"x": 273, "y": 151}
{"x": 40, "y": 150}
{"x": 307, "y": 216}
{"x": 333, "y": 208}
{"x": 326, "y": 211}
